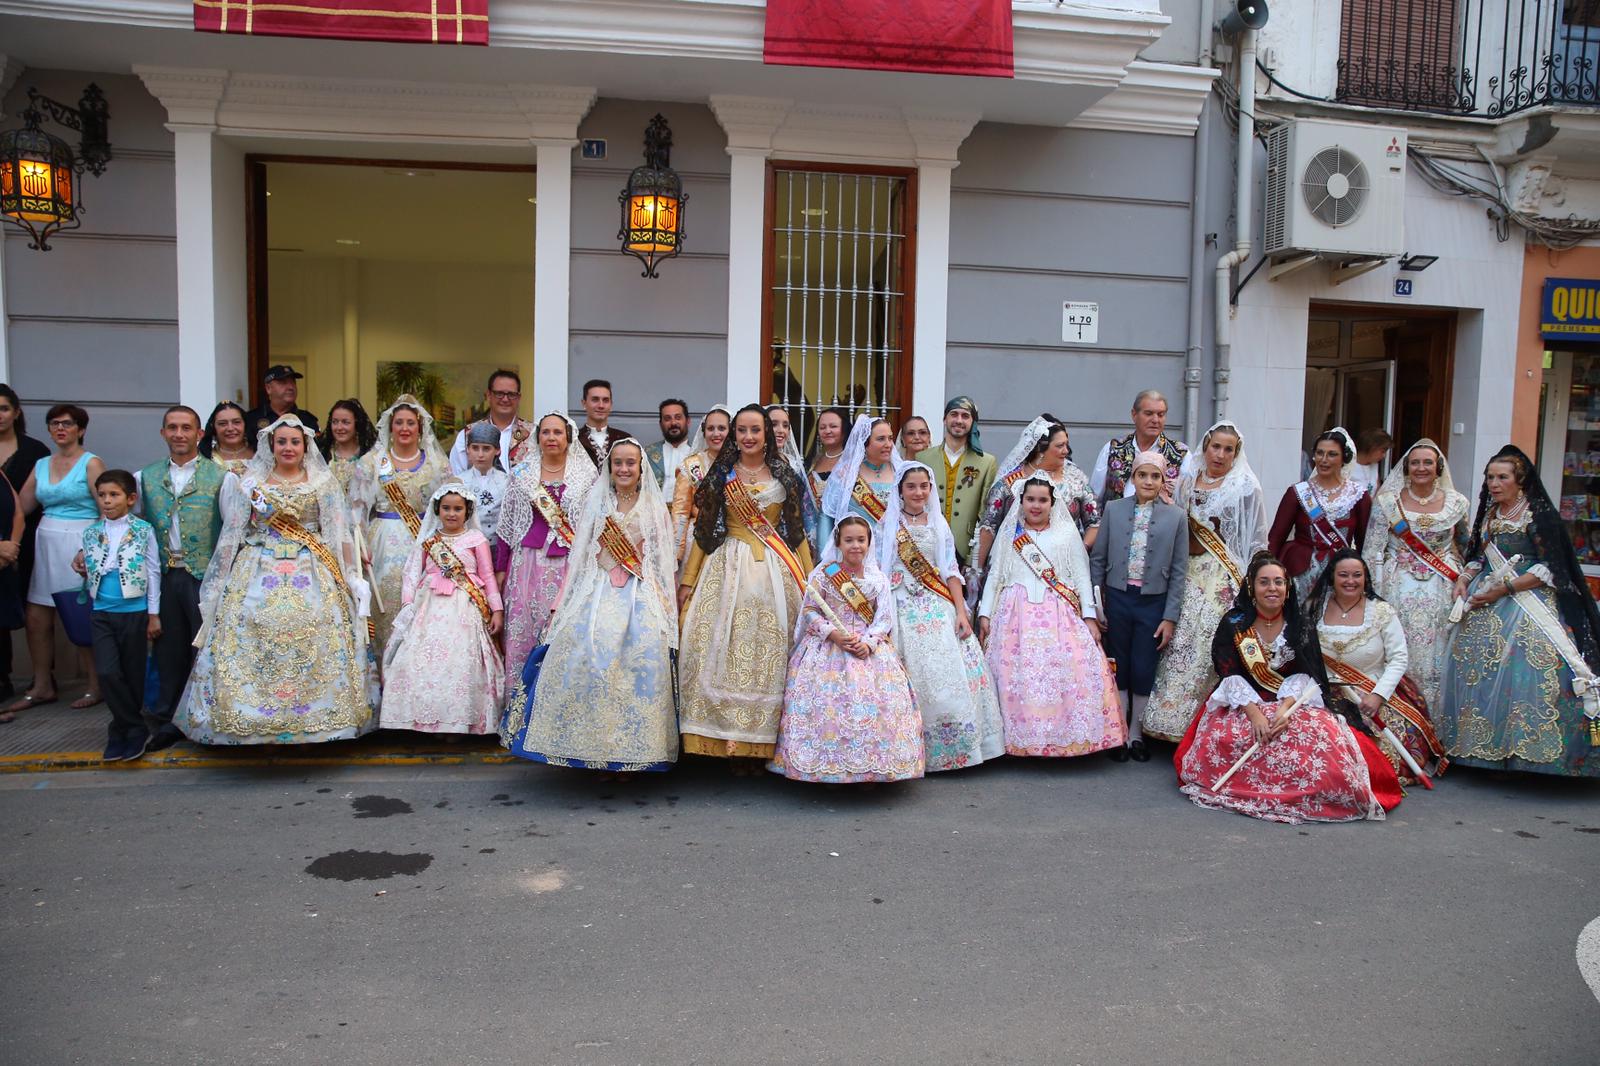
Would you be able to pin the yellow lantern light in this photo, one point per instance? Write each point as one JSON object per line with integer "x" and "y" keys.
{"x": 652, "y": 204}
{"x": 38, "y": 171}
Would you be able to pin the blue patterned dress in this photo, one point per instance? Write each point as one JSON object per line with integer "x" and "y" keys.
{"x": 1507, "y": 693}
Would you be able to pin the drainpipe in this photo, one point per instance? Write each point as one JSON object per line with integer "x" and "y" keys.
{"x": 1199, "y": 190}
{"x": 1243, "y": 188}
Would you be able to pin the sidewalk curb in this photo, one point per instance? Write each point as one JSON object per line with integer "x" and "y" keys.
{"x": 59, "y": 761}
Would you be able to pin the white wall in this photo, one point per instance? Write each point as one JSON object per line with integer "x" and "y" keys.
{"x": 1475, "y": 273}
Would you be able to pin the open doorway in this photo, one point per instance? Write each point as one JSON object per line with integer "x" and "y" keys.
{"x": 374, "y": 278}
{"x": 1369, "y": 368}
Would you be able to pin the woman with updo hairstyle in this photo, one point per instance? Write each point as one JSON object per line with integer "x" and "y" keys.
{"x": 1520, "y": 688}
{"x": 284, "y": 655}
{"x": 1318, "y": 516}
{"x": 1309, "y": 764}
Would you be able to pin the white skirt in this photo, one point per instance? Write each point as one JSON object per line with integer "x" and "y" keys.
{"x": 58, "y": 540}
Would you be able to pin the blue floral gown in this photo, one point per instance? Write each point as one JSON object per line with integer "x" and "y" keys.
{"x": 1508, "y": 702}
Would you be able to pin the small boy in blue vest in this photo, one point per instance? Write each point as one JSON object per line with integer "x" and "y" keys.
{"x": 122, "y": 571}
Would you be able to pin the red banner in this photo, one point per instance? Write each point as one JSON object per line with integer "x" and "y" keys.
{"x": 923, "y": 36}
{"x": 425, "y": 21}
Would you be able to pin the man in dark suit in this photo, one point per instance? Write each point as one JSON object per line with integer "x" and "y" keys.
{"x": 597, "y": 435}
{"x": 1138, "y": 566}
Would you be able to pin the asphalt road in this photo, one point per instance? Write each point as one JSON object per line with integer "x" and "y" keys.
{"x": 1025, "y": 912}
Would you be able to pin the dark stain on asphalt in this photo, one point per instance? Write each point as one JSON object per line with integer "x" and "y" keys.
{"x": 368, "y": 865}
{"x": 1586, "y": 829}
{"x": 378, "y": 806}
{"x": 321, "y": 790}
{"x": 1527, "y": 835}
{"x": 441, "y": 805}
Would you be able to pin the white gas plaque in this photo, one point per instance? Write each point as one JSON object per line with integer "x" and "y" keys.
{"x": 1080, "y": 323}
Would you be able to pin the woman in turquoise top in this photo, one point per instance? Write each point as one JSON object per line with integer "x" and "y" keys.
{"x": 61, "y": 485}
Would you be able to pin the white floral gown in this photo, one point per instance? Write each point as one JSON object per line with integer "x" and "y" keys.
{"x": 961, "y": 722}
{"x": 1420, "y": 595}
{"x": 282, "y": 661}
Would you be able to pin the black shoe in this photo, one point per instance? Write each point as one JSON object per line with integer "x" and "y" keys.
{"x": 135, "y": 746}
{"x": 1138, "y": 752}
{"x": 163, "y": 738}
{"x": 1117, "y": 754}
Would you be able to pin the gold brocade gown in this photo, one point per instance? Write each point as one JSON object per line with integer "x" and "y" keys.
{"x": 737, "y": 631}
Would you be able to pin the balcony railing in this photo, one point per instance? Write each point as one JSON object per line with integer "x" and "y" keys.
{"x": 1469, "y": 57}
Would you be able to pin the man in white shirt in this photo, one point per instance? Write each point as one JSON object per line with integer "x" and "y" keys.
{"x": 501, "y": 395}
{"x": 597, "y": 435}
{"x": 1112, "y": 478}
{"x": 673, "y": 447}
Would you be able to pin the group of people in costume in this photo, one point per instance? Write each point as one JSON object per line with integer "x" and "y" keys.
{"x": 890, "y": 605}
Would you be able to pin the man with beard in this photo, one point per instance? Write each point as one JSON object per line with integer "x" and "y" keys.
{"x": 673, "y": 447}
{"x": 962, "y": 473}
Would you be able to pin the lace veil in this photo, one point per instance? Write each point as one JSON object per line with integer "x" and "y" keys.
{"x": 657, "y": 552}
{"x": 836, "y": 494}
{"x": 1236, "y": 509}
{"x": 516, "y": 510}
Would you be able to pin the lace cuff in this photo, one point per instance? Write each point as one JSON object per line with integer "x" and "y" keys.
{"x": 1295, "y": 684}
{"x": 1542, "y": 572}
{"x": 1234, "y": 692}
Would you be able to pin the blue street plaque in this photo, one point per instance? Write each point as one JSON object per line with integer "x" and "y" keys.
{"x": 594, "y": 148}
{"x": 1402, "y": 286}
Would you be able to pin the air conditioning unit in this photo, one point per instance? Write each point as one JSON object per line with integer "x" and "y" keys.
{"x": 1335, "y": 189}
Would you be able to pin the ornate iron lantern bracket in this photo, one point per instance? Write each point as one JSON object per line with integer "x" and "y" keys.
{"x": 39, "y": 171}
{"x": 653, "y": 203}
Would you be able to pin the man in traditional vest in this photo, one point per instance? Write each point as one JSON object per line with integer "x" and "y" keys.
{"x": 962, "y": 473}
{"x": 178, "y": 496}
{"x": 1113, "y": 470}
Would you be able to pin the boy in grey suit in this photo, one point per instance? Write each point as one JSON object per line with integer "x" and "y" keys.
{"x": 1138, "y": 565}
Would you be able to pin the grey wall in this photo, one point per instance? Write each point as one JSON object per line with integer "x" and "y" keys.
{"x": 1180, "y": 41}
{"x": 94, "y": 321}
{"x": 1040, "y": 216}
{"x": 652, "y": 337}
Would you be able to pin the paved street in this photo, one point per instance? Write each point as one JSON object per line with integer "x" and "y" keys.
{"x": 1022, "y": 912}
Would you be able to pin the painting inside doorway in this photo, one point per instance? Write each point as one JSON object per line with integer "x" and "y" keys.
{"x": 452, "y": 392}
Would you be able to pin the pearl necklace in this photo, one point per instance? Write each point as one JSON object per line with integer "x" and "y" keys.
{"x": 1423, "y": 501}
{"x": 1515, "y": 511}
{"x": 413, "y": 457}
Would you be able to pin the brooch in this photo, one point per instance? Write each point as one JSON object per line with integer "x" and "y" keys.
{"x": 969, "y": 477}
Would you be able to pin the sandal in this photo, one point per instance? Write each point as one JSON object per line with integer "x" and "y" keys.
{"x": 27, "y": 701}
{"x": 85, "y": 701}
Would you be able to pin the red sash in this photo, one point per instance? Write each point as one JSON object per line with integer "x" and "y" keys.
{"x": 620, "y": 548}
{"x": 1408, "y": 536}
{"x": 743, "y": 505}
{"x": 1406, "y": 701}
{"x": 1317, "y": 516}
{"x": 1044, "y": 570}
{"x": 862, "y": 494}
{"x": 920, "y": 567}
{"x": 850, "y": 591}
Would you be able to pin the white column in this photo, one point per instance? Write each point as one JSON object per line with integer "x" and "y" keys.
{"x": 747, "y": 192}
{"x": 938, "y": 137}
{"x": 213, "y": 343}
{"x": 931, "y": 325}
{"x": 350, "y": 282}
{"x": 751, "y": 123}
{"x": 552, "y": 275}
{"x": 208, "y": 185}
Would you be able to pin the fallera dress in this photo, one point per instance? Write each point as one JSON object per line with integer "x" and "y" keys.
{"x": 847, "y": 719}
{"x": 1057, "y": 692}
{"x": 1508, "y": 701}
{"x": 737, "y": 634}
{"x": 442, "y": 669}
{"x": 961, "y": 721}
{"x": 284, "y": 658}
{"x": 601, "y": 698}
{"x": 1317, "y": 770}
{"x": 1420, "y": 594}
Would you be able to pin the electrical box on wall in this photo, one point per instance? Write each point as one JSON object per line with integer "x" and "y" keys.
{"x": 1335, "y": 189}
